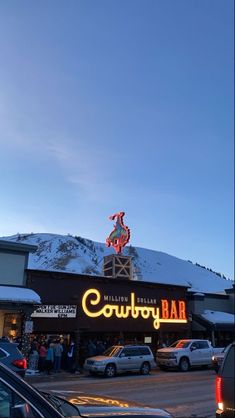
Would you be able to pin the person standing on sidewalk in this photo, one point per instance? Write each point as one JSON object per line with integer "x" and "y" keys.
{"x": 58, "y": 350}
{"x": 33, "y": 356}
{"x": 42, "y": 357}
{"x": 71, "y": 357}
{"x": 49, "y": 359}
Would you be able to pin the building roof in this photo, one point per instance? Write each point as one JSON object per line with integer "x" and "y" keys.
{"x": 17, "y": 294}
{"x": 17, "y": 247}
{"x": 216, "y": 320}
{"x": 217, "y": 317}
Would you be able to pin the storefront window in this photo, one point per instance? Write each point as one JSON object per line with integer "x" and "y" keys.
{"x": 12, "y": 325}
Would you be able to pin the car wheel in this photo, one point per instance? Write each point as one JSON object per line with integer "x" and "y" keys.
{"x": 145, "y": 368}
{"x": 110, "y": 370}
{"x": 184, "y": 364}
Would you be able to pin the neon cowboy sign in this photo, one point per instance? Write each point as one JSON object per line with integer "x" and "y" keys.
{"x": 173, "y": 311}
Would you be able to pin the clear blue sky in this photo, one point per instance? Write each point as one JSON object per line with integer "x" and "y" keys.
{"x": 109, "y": 105}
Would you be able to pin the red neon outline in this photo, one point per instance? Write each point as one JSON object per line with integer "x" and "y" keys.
{"x": 120, "y": 235}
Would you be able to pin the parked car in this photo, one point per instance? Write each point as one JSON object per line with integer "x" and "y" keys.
{"x": 11, "y": 356}
{"x": 184, "y": 354}
{"x": 217, "y": 359}
{"x": 18, "y": 399}
{"x": 225, "y": 385}
{"x": 120, "y": 359}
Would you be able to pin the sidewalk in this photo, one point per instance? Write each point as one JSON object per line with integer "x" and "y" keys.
{"x": 43, "y": 377}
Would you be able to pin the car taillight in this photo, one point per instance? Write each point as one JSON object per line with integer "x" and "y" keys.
{"x": 21, "y": 364}
{"x": 218, "y": 392}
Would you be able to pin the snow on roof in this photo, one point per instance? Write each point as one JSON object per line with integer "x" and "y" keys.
{"x": 18, "y": 294}
{"x": 17, "y": 246}
{"x": 79, "y": 255}
{"x": 217, "y": 317}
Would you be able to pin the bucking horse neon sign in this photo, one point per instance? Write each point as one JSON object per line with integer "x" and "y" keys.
{"x": 120, "y": 235}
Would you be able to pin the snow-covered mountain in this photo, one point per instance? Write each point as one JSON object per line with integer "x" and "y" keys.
{"x": 75, "y": 254}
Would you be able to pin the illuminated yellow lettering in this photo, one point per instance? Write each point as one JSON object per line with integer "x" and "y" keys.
{"x": 123, "y": 311}
{"x": 92, "y": 297}
{"x": 92, "y": 302}
{"x": 134, "y": 311}
{"x": 145, "y": 313}
{"x": 156, "y": 322}
{"x": 108, "y": 311}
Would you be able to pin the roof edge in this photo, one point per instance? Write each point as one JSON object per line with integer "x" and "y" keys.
{"x": 18, "y": 247}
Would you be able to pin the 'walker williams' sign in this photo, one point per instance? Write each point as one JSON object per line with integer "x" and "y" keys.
{"x": 55, "y": 311}
{"x": 167, "y": 311}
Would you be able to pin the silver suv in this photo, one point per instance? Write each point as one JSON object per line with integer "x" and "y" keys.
{"x": 121, "y": 359}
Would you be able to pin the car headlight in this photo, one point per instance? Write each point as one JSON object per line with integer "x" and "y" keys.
{"x": 99, "y": 363}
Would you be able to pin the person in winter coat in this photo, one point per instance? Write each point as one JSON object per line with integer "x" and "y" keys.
{"x": 100, "y": 348}
{"x": 91, "y": 349}
{"x": 71, "y": 357}
{"x": 33, "y": 356}
{"x": 49, "y": 359}
{"x": 58, "y": 350}
{"x": 42, "y": 357}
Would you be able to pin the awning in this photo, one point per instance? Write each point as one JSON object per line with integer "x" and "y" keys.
{"x": 16, "y": 294}
{"x": 215, "y": 320}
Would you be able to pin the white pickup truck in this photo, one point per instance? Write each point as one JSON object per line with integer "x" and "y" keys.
{"x": 184, "y": 354}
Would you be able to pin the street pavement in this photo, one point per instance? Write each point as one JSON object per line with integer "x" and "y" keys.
{"x": 185, "y": 395}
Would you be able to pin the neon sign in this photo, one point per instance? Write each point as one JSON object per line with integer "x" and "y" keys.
{"x": 120, "y": 235}
{"x": 171, "y": 312}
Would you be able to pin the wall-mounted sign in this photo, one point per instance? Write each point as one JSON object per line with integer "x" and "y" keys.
{"x": 28, "y": 327}
{"x": 55, "y": 311}
{"x": 120, "y": 235}
{"x": 168, "y": 311}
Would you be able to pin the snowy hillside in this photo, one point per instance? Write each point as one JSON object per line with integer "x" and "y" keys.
{"x": 79, "y": 255}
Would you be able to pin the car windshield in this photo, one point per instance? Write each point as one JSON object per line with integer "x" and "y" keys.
{"x": 112, "y": 351}
{"x": 180, "y": 344}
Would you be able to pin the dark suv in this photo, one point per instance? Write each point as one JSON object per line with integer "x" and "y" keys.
{"x": 217, "y": 359}
{"x": 11, "y": 356}
{"x": 225, "y": 387}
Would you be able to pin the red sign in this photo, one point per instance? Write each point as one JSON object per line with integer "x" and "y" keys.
{"x": 120, "y": 235}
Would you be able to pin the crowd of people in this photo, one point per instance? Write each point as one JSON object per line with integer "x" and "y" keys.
{"x": 54, "y": 355}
